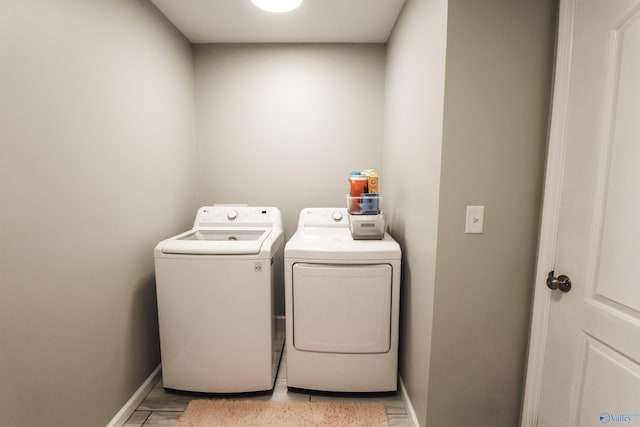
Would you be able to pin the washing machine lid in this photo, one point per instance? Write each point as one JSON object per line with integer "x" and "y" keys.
{"x": 224, "y": 241}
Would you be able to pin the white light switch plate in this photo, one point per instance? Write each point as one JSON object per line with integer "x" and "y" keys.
{"x": 475, "y": 220}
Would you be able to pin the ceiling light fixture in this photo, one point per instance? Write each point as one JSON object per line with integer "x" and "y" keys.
{"x": 278, "y": 6}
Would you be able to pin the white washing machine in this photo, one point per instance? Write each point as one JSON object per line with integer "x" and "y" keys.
{"x": 342, "y": 299}
{"x": 217, "y": 289}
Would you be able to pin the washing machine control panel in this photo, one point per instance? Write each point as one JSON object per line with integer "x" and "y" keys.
{"x": 211, "y": 216}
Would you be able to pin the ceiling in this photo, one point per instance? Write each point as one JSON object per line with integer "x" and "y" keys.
{"x": 315, "y": 21}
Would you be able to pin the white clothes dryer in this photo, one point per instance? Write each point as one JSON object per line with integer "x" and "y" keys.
{"x": 217, "y": 288}
{"x": 342, "y": 299}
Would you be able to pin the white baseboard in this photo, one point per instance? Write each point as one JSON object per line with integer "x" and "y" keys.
{"x": 407, "y": 404}
{"x": 125, "y": 412}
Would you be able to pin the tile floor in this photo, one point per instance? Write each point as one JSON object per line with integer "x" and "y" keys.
{"x": 162, "y": 408}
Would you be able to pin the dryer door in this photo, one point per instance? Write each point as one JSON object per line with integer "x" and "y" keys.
{"x": 342, "y": 308}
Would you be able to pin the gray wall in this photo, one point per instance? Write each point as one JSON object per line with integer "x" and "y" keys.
{"x": 498, "y": 84}
{"x": 411, "y": 167}
{"x": 465, "y": 327}
{"x": 283, "y": 125}
{"x": 97, "y": 160}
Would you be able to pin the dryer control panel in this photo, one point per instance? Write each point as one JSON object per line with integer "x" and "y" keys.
{"x": 323, "y": 217}
{"x": 235, "y": 216}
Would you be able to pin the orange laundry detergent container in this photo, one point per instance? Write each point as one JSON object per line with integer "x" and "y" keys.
{"x": 357, "y": 186}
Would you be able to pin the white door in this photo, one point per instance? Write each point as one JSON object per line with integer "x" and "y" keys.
{"x": 584, "y": 359}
